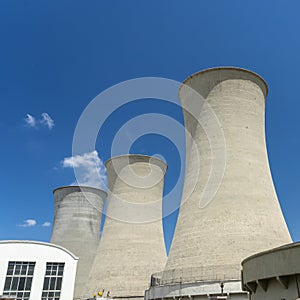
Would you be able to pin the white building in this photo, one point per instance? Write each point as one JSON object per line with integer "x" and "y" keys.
{"x": 31, "y": 270}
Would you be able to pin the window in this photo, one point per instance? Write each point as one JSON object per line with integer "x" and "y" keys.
{"x": 18, "y": 279}
{"x": 53, "y": 280}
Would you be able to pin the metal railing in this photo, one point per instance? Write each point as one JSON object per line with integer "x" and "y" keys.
{"x": 189, "y": 275}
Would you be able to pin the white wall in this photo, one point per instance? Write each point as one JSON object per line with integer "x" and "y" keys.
{"x": 40, "y": 253}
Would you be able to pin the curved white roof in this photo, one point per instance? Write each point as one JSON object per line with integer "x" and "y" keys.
{"x": 39, "y": 243}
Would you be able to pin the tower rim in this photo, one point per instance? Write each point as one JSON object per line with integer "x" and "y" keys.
{"x": 80, "y": 187}
{"x": 228, "y": 68}
{"x": 140, "y": 158}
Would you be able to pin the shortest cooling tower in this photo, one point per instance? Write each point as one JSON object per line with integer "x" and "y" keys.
{"x": 76, "y": 227}
{"x": 132, "y": 245}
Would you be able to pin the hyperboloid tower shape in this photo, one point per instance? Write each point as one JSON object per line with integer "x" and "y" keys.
{"x": 229, "y": 205}
{"x": 132, "y": 244}
{"x": 244, "y": 216}
{"x": 76, "y": 226}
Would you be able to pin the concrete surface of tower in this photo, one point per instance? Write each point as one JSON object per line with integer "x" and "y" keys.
{"x": 132, "y": 244}
{"x": 244, "y": 216}
{"x": 76, "y": 226}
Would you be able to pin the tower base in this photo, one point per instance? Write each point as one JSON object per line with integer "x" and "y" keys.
{"x": 209, "y": 290}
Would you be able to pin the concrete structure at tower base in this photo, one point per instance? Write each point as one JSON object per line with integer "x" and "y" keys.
{"x": 198, "y": 291}
{"x": 273, "y": 274}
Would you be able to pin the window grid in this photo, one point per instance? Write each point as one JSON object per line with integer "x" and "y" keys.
{"x": 53, "y": 281}
{"x": 19, "y": 279}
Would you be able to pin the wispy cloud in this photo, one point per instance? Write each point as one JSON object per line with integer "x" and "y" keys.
{"x": 89, "y": 169}
{"x": 30, "y": 120}
{"x": 46, "y": 224}
{"x": 28, "y": 223}
{"x": 44, "y": 120}
{"x": 47, "y": 121}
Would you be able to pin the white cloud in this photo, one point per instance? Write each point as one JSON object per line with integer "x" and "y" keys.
{"x": 44, "y": 120}
{"x": 89, "y": 169}
{"x": 47, "y": 121}
{"x": 46, "y": 224}
{"x": 30, "y": 120}
{"x": 28, "y": 223}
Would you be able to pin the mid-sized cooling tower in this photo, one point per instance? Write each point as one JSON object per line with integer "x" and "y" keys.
{"x": 244, "y": 216}
{"x": 132, "y": 246}
{"x": 76, "y": 226}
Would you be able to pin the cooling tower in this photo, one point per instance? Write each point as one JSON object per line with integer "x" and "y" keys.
{"x": 130, "y": 249}
{"x": 244, "y": 216}
{"x": 76, "y": 226}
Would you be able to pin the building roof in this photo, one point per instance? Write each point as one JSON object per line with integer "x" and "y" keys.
{"x": 38, "y": 243}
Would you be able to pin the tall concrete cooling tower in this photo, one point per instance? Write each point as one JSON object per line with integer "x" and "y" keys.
{"x": 132, "y": 244}
{"x": 244, "y": 216}
{"x": 76, "y": 226}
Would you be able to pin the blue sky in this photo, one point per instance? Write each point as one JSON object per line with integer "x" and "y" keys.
{"x": 56, "y": 56}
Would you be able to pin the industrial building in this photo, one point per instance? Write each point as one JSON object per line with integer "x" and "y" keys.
{"x": 36, "y": 270}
